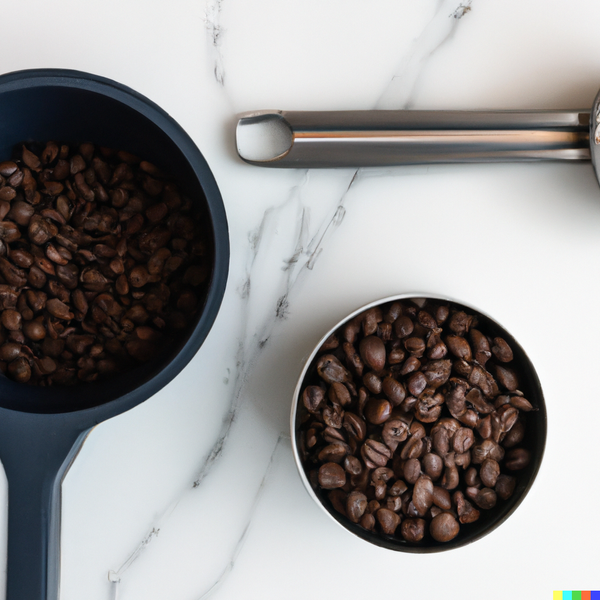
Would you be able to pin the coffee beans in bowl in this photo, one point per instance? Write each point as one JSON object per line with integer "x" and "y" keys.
{"x": 418, "y": 424}
{"x": 103, "y": 263}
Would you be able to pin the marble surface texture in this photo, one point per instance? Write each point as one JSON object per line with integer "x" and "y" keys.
{"x": 194, "y": 494}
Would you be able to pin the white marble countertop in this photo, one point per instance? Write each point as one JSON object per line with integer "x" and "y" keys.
{"x": 194, "y": 493}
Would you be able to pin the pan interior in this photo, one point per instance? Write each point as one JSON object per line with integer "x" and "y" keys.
{"x": 73, "y": 109}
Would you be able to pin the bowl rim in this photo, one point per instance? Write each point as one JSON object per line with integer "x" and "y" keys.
{"x": 377, "y": 539}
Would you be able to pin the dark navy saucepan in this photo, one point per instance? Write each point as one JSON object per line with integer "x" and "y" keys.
{"x": 42, "y": 429}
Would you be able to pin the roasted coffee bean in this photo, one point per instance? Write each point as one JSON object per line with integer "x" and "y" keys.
{"x": 372, "y": 352}
{"x": 501, "y": 350}
{"x": 313, "y": 396}
{"x": 394, "y": 431}
{"x": 422, "y": 497}
{"x": 413, "y": 529}
{"x": 505, "y": 486}
{"x": 517, "y": 459}
{"x": 466, "y": 512}
{"x": 378, "y": 411}
{"x": 432, "y": 465}
{"x": 393, "y": 390}
{"x": 444, "y": 527}
{"x": 375, "y": 454}
{"x": 409, "y": 411}
{"x": 459, "y": 347}
{"x": 412, "y": 470}
{"x": 331, "y": 476}
{"x": 388, "y": 520}
{"x": 489, "y": 472}
{"x": 356, "y": 504}
{"x": 484, "y": 498}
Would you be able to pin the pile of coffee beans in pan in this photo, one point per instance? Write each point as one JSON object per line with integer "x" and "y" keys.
{"x": 103, "y": 263}
{"x": 412, "y": 420}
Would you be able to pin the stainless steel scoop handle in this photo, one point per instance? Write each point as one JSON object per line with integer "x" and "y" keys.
{"x": 304, "y": 139}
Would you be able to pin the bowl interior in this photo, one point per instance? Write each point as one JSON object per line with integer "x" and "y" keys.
{"x": 534, "y": 441}
{"x": 73, "y": 107}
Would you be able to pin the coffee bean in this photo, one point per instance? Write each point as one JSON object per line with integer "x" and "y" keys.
{"x": 372, "y": 352}
{"x": 413, "y": 529}
{"x": 378, "y": 411}
{"x": 356, "y": 505}
{"x": 517, "y": 459}
{"x": 331, "y": 476}
{"x": 388, "y": 520}
{"x": 444, "y": 527}
{"x": 505, "y": 485}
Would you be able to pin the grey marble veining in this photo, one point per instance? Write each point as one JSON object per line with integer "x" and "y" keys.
{"x": 306, "y": 242}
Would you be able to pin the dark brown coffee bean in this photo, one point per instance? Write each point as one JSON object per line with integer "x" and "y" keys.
{"x": 415, "y": 346}
{"x": 463, "y": 440}
{"x": 484, "y": 498}
{"x": 335, "y": 452}
{"x": 489, "y": 472}
{"x": 505, "y": 486}
{"x": 403, "y": 326}
{"x": 481, "y": 346}
{"x": 331, "y": 476}
{"x": 417, "y": 383}
{"x": 441, "y": 498}
{"x": 507, "y": 378}
{"x": 521, "y": 403}
{"x": 19, "y": 370}
{"x": 517, "y": 459}
{"x": 375, "y": 454}
{"x": 413, "y": 529}
{"x": 9, "y": 351}
{"x": 479, "y": 403}
{"x": 422, "y": 497}
{"x": 411, "y": 365}
{"x": 487, "y": 449}
{"x": 352, "y": 465}
{"x": 388, "y": 520}
{"x": 59, "y": 309}
{"x": 394, "y": 432}
{"x": 331, "y": 369}
{"x": 11, "y": 319}
{"x": 372, "y": 352}
{"x": 7, "y": 168}
{"x": 412, "y": 470}
{"x": 356, "y": 504}
{"x": 313, "y": 397}
{"x": 444, "y": 527}
{"x": 34, "y": 330}
{"x": 372, "y": 382}
{"x": 426, "y": 320}
{"x": 355, "y": 426}
{"x": 459, "y": 347}
{"x": 515, "y": 436}
{"x": 378, "y": 411}
{"x": 433, "y": 465}
{"x": 467, "y": 513}
{"x": 394, "y": 390}
{"x": 501, "y": 350}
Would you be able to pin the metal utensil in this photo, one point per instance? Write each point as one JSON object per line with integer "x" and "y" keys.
{"x": 43, "y": 428}
{"x": 326, "y": 139}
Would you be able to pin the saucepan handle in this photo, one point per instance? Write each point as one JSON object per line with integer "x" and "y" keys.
{"x": 36, "y": 451}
